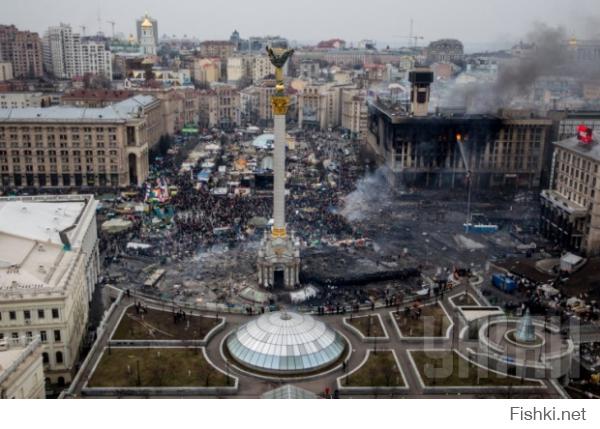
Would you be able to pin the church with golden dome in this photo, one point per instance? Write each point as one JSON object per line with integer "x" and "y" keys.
{"x": 147, "y": 32}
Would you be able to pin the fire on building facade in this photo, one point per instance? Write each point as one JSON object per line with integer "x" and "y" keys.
{"x": 420, "y": 148}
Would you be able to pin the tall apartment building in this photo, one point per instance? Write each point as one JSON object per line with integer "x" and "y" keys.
{"x": 206, "y": 70}
{"x": 309, "y": 106}
{"x": 570, "y": 213}
{"x": 255, "y": 103}
{"x": 66, "y": 55}
{"x": 354, "y": 112}
{"x": 239, "y": 68}
{"x": 224, "y": 106}
{"x": 50, "y": 262}
{"x": 96, "y": 59}
{"x": 64, "y": 146}
{"x": 262, "y": 67}
{"x": 23, "y": 49}
{"x": 216, "y": 49}
{"x": 321, "y": 105}
{"x": 21, "y": 369}
{"x": 308, "y": 69}
{"x": 249, "y": 99}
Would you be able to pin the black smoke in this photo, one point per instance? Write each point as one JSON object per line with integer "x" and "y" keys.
{"x": 550, "y": 56}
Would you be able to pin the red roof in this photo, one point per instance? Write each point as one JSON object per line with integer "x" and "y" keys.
{"x": 326, "y": 44}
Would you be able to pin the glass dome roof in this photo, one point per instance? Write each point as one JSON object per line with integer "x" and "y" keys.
{"x": 284, "y": 342}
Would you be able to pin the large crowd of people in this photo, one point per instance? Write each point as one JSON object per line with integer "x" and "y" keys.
{"x": 201, "y": 218}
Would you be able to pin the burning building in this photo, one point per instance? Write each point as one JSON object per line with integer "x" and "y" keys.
{"x": 421, "y": 148}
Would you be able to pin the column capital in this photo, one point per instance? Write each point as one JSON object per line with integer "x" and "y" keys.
{"x": 280, "y": 104}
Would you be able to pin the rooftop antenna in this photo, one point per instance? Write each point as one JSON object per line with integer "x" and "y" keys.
{"x": 112, "y": 23}
{"x": 99, "y": 22}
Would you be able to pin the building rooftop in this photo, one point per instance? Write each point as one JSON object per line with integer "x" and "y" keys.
{"x": 13, "y": 353}
{"x": 98, "y": 94}
{"x": 588, "y": 150}
{"x": 36, "y": 237}
{"x": 126, "y": 109}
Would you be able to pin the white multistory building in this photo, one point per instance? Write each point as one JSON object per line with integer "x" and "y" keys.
{"x": 48, "y": 269}
{"x": 66, "y": 55}
{"x": 96, "y": 59}
{"x": 239, "y": 68}
{"x": 21, "y": 369}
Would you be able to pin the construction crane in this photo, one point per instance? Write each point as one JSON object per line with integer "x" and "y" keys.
{"x": 469, "y": 225}
{"x": 413, "y": 40}
{"x": 112, "y": 23}
{"x": 411, "y": 36}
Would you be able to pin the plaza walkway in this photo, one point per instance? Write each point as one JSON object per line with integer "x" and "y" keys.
{"x": 251, "y": 386}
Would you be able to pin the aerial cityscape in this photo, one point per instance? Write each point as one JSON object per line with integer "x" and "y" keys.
{"x": 270, "y": 216}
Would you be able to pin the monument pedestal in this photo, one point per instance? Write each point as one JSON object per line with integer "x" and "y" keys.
{"x": 278, "y": 262}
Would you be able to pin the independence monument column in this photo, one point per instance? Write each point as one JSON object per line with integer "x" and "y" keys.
{"x": 279, "y": 255}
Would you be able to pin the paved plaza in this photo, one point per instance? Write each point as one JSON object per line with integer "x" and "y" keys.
{"x": 253, "y": 386}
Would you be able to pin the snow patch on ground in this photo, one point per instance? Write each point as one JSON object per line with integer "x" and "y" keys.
{"x": 468, "y": 243}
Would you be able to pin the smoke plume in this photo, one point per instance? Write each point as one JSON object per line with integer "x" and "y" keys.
{"x": 372, "y": 194}
{"x": 548, "y": 56}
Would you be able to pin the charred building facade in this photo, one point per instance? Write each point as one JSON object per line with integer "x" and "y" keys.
{"x": 438, "y": 150}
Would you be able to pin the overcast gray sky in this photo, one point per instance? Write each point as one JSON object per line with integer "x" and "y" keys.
{"x": 486, "y": 22}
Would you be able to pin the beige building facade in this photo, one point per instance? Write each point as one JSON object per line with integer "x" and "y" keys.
{"x": 178, "y": 106}
{"x": 206, "y": 70}
{"x": 354, "y": 112}
{"x": 224, "y": 106}
{"x": 321, "y": 106}
{"x": 79, "y": 147}
{"x": 571, "y": 207}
